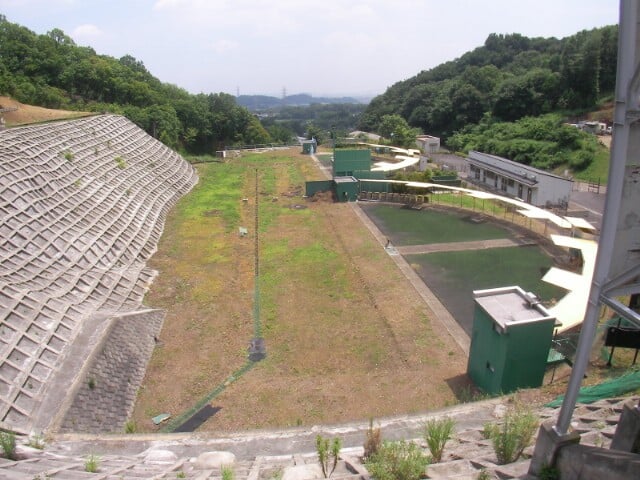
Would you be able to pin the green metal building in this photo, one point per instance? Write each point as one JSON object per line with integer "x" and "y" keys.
{"x": 347, "y": 162}
{"x": 346, "y": 189}
{"x": 510, "y": 340}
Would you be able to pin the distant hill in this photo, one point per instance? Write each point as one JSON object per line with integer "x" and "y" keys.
{"x": 507, "y": 78}
{"x": 264, "y": 102}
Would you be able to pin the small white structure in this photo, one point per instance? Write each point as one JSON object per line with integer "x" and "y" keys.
{"x": 596, "y": 128}
{"x": 534, "y": 186}
{"x": 428, "y": 144}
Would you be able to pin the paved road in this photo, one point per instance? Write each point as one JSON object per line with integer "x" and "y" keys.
{"x": 589, "y": 205}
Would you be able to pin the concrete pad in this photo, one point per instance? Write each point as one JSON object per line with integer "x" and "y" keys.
{"x": 209, "y": 460}
{"x": 160, "y": 456}
{"x": 302, "y": 472}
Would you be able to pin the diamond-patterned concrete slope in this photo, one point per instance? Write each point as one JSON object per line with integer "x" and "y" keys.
{"x": 82, "y": 206}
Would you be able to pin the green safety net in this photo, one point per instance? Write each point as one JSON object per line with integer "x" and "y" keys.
{"x": 616, "y": 387}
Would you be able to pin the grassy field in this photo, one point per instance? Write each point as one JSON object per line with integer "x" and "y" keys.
{"x": 347, "y": 336}
{"x": 453, "y": 276}
{"x": 418, "y": 227}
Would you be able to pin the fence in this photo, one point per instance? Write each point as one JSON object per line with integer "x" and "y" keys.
{"x": 489, "y": 207}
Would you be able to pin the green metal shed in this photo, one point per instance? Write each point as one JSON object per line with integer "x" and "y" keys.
{"x": 346, "y": 162}
{"x": 346, "y": 189}
{"x": 510, "y": 340}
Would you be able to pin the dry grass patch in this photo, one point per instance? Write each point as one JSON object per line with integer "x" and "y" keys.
{"x": 347, "y": 336}
{"x": 25, "y": 114}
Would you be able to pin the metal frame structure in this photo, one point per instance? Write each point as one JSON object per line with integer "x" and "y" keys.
{"x": 617, "y": 268}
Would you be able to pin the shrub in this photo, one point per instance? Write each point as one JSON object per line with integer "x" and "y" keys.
{"x": 372, "y": 441}
{"x": 436, "y": 433}
{"x": 130, "y": 426}
{"x": 398, "y": 461}
{"x": 36, "y": 441}
{"x": 514, "y": 434}
{"x": 121, "y": 163}
{"x": 92, "y": 464}
{"x": 8, "y": 445}
{"x": 227, "y": 473}
{"x": 328, "y": 454}
{"x": 484, "y": 475}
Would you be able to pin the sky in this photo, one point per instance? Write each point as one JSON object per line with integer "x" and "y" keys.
{"x": 321, "y": 47}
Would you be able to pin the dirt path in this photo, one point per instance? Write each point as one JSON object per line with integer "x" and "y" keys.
{"x": 461, "y": 246}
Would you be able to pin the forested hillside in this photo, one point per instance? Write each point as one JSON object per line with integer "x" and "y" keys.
{"x": 508, "y": 78}
{"x": 51, "y": 71}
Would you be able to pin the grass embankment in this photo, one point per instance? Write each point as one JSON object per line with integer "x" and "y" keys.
{"x": 346, "y": 336}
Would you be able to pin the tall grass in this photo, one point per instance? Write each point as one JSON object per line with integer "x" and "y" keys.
{"x": 436, "y": 433}
{"x": 513, "y": 435}
{"x": 398, "y": 461}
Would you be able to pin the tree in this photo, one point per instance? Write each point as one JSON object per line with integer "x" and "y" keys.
{"x": 397, "y": 131}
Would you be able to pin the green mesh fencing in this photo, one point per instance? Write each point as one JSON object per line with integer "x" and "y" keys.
{"x": 616, "y": 387}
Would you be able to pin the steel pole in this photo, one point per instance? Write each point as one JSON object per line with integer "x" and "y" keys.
{"x": 624, "y": 115}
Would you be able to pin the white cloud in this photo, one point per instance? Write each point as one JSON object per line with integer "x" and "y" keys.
{"x": 87, "y": 30}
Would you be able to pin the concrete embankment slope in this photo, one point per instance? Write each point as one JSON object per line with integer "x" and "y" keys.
{"x": 82, "y": 207}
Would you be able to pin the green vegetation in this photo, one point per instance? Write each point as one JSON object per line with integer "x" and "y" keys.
{"x": 513, "y": 435}
{"x": 469, "y": 102}
{"x": 121, "y": 163}
{"x": 315, "y": 120}
{"x": 509, "y": 77}
{"x": 130, "y": 426}
{"x": 328, "y": 454}
{"x": 436, "y": 433}
{"x": 470, "y": 270}
{"x": 598, "y": 170}
{"x": 548, "y": 472}
{"x": 52, "y": 71}
{"x": 484, "y": 475}
{"x": 543, "y": 142}
{"x": 227, "y": 473}
{"x": 92, "y": 464}
{"x": 36, "y": 441}
{"x": 8, "y": 445}
{"x": 411, "y": 227}
{"x": 215, "y": 195}
{"x": 398, "y": 461}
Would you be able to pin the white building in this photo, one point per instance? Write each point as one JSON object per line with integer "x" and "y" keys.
{"x": 428, "y": 144}
{"x": 534, "y": 186}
